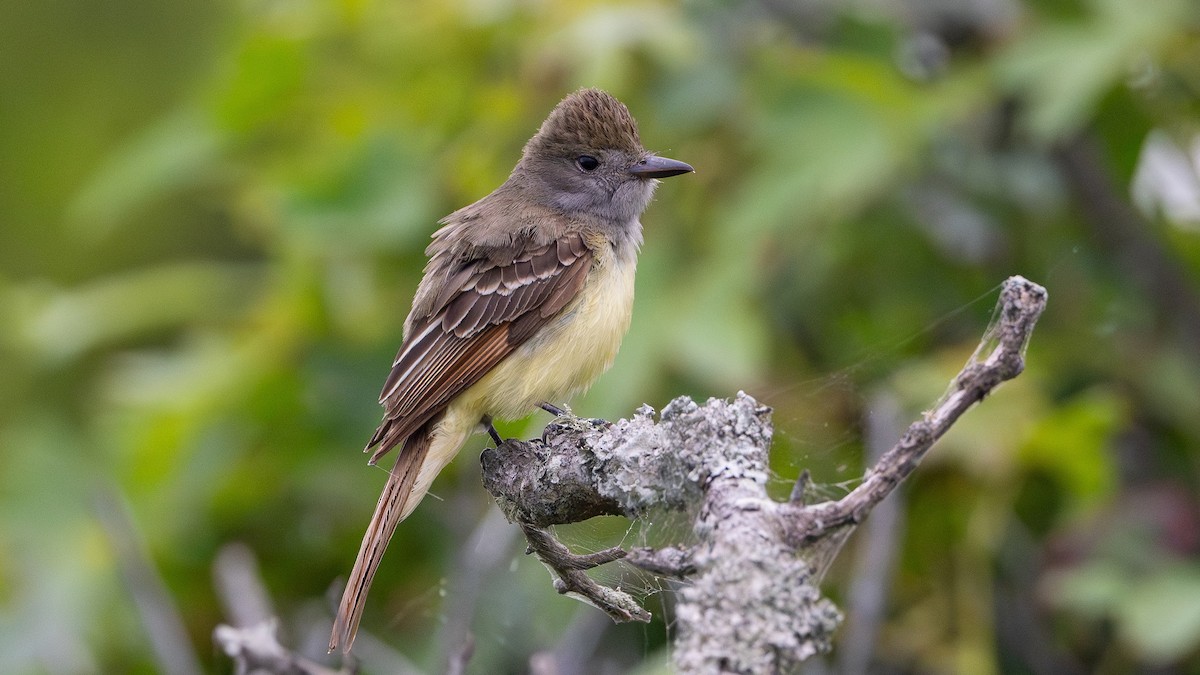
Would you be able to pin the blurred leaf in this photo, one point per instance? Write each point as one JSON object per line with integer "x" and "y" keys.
{"x": 381, "y": 196}
{"x": 268, "y": 74}
{"x": 1073, "y": 444}
{"x": 176, "y": 152}
{"x": 615, "y": 34}
{"x": 1065, "y": 68}
{"x": 60, "y": 325}
{"x": 1161, "y": 615}
{"x": 1092, "y": 590}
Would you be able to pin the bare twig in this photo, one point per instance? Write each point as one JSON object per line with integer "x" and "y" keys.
{"x": 490, "y": 545}
{"x": 575, "y": 653}
{"x": 876, "y": 552}
{"x": 461, "y": 657}
{"x": 800, "y": 489}
{"x": 256, "y": 649}
{"x": 161, "y": 618}
{"x": 666, "y": 562}
{"x": 573, "y": 579}
{"x": 239, "y": 586}
{"x": 252, "y": 642}
{"x": 1021, "y": 303}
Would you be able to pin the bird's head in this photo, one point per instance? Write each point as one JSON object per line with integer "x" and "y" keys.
{"x": 587, "y": 157}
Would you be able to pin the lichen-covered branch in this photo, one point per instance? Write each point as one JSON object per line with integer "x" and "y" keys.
{"x": 752, "y": 604}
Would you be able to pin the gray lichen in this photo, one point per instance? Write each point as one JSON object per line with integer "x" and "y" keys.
{"x": 754, "y": 612}
{"x": 751, "y": 605}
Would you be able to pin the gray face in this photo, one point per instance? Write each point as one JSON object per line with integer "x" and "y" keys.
{"x": 596, "y": 182}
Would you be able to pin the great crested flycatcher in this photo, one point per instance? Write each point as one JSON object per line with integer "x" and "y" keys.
{"x": 524, "y": 302}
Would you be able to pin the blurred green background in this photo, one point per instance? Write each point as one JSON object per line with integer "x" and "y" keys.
{"x": 212, "y": 218}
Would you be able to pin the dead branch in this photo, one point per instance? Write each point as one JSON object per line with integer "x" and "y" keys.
{"x": 571, "y": 570}
{"x": 752, "y": 604}
{"x": 256, "y": 649}
{"x": 1021, "y": 303}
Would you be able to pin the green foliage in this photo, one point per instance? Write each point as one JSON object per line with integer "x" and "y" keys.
{"x": 212, "y": 218}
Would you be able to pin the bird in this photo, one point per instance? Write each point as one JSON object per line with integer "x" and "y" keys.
{"x": 524, "y": 302}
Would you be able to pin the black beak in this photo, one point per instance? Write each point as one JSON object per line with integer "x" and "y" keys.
{"x": 653, "y": 166}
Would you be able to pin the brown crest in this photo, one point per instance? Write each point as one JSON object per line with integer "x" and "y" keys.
{"x": 587, "y": 119}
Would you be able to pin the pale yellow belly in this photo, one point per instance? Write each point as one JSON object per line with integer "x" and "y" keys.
{"x": 564, "y": 358}
{"x": 567, "y": 355}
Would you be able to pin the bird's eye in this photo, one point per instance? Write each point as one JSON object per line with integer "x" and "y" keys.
{"x": 587, "y": 162}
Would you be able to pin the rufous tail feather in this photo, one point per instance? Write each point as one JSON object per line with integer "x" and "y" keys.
{"x": 388, "y": 514}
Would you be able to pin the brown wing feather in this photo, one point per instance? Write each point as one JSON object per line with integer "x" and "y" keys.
{"x": 470, "y": 331}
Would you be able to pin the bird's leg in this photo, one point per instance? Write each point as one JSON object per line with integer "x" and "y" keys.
{"x": 552, "y": 409}
{"x": 494, "y": 434}
{"x": 491, "y": 429}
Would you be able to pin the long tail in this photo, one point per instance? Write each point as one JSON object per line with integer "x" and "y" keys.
{"x": 388, "y": 513}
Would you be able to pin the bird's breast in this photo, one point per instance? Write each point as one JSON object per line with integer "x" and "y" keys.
{"x": 571, "y": 351}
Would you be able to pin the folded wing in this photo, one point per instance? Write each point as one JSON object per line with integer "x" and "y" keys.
{"x": 490, "y": 309}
